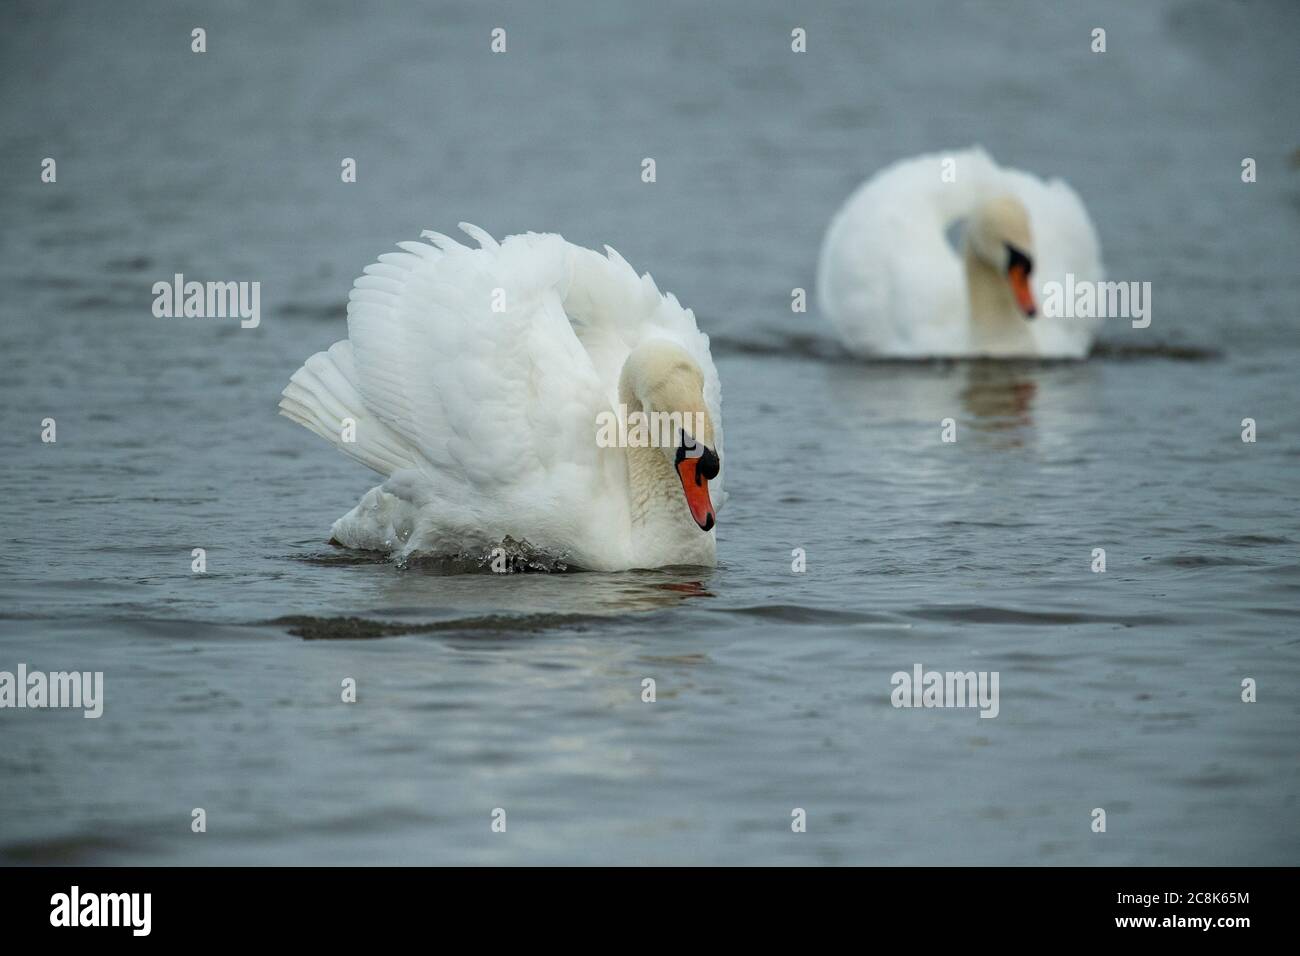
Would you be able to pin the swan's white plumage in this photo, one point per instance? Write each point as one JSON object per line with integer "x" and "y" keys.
{"x": 482, "y": 421}
{"x": 892, "y": 284}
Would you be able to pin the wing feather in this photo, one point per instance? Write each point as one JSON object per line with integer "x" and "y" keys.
{"x": 485, "y": 368}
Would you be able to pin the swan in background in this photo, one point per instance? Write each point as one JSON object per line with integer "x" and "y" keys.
{"x": 475, "y": 381}
{"x": 892, "y": 284}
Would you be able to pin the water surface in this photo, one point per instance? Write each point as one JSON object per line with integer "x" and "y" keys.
{"x": 475, "y": 691}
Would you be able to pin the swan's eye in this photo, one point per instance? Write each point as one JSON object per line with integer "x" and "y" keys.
{"x": 1016, "y": 258}
{"x": 709, "y": 464}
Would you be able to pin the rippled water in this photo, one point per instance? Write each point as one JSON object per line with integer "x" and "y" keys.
{"x": 476, "y": 691}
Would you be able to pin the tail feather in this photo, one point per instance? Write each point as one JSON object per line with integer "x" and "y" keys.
{"x": 321, "y": 395}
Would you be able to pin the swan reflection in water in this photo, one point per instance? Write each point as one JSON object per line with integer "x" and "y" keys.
{"x": 999, "y": 397}
{"x": 1012, "y": 403}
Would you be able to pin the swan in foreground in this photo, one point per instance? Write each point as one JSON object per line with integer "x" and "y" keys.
{"x": 504, "y": 392}
{"x": 893, "y": 285}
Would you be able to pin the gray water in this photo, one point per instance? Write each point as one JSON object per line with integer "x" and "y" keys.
{"x": 1119, "y": 690}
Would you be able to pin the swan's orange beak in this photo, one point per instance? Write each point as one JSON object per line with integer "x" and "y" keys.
{"x": 1018, "y": 276}
{"x": 695, "y": 474}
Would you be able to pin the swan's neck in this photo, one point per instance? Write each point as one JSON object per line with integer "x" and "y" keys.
{"x": 996, "y": 324}
{"x": 663, "y": 531}
{"x": 654, "y": 490}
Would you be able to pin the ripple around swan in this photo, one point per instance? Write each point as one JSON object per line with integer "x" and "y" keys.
{"x": 1156, "y": 350}
{"x": 71, "y": 849}
{"x": 312, "y": 628}
{"x": 982, "y": 614}
{"x": 519, "y": 557}
{"x": 797, "y": 614}
{"x": 824, "y": 348}
{"x": 1206, "y": 561}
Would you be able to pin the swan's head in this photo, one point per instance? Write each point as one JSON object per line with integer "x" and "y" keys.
{"x": 661, "y": 380}
{"x": 999, "y": 234}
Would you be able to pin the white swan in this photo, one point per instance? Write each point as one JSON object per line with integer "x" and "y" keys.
{"x": 478, "y": 381}
{"x": 892, "y": 284}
